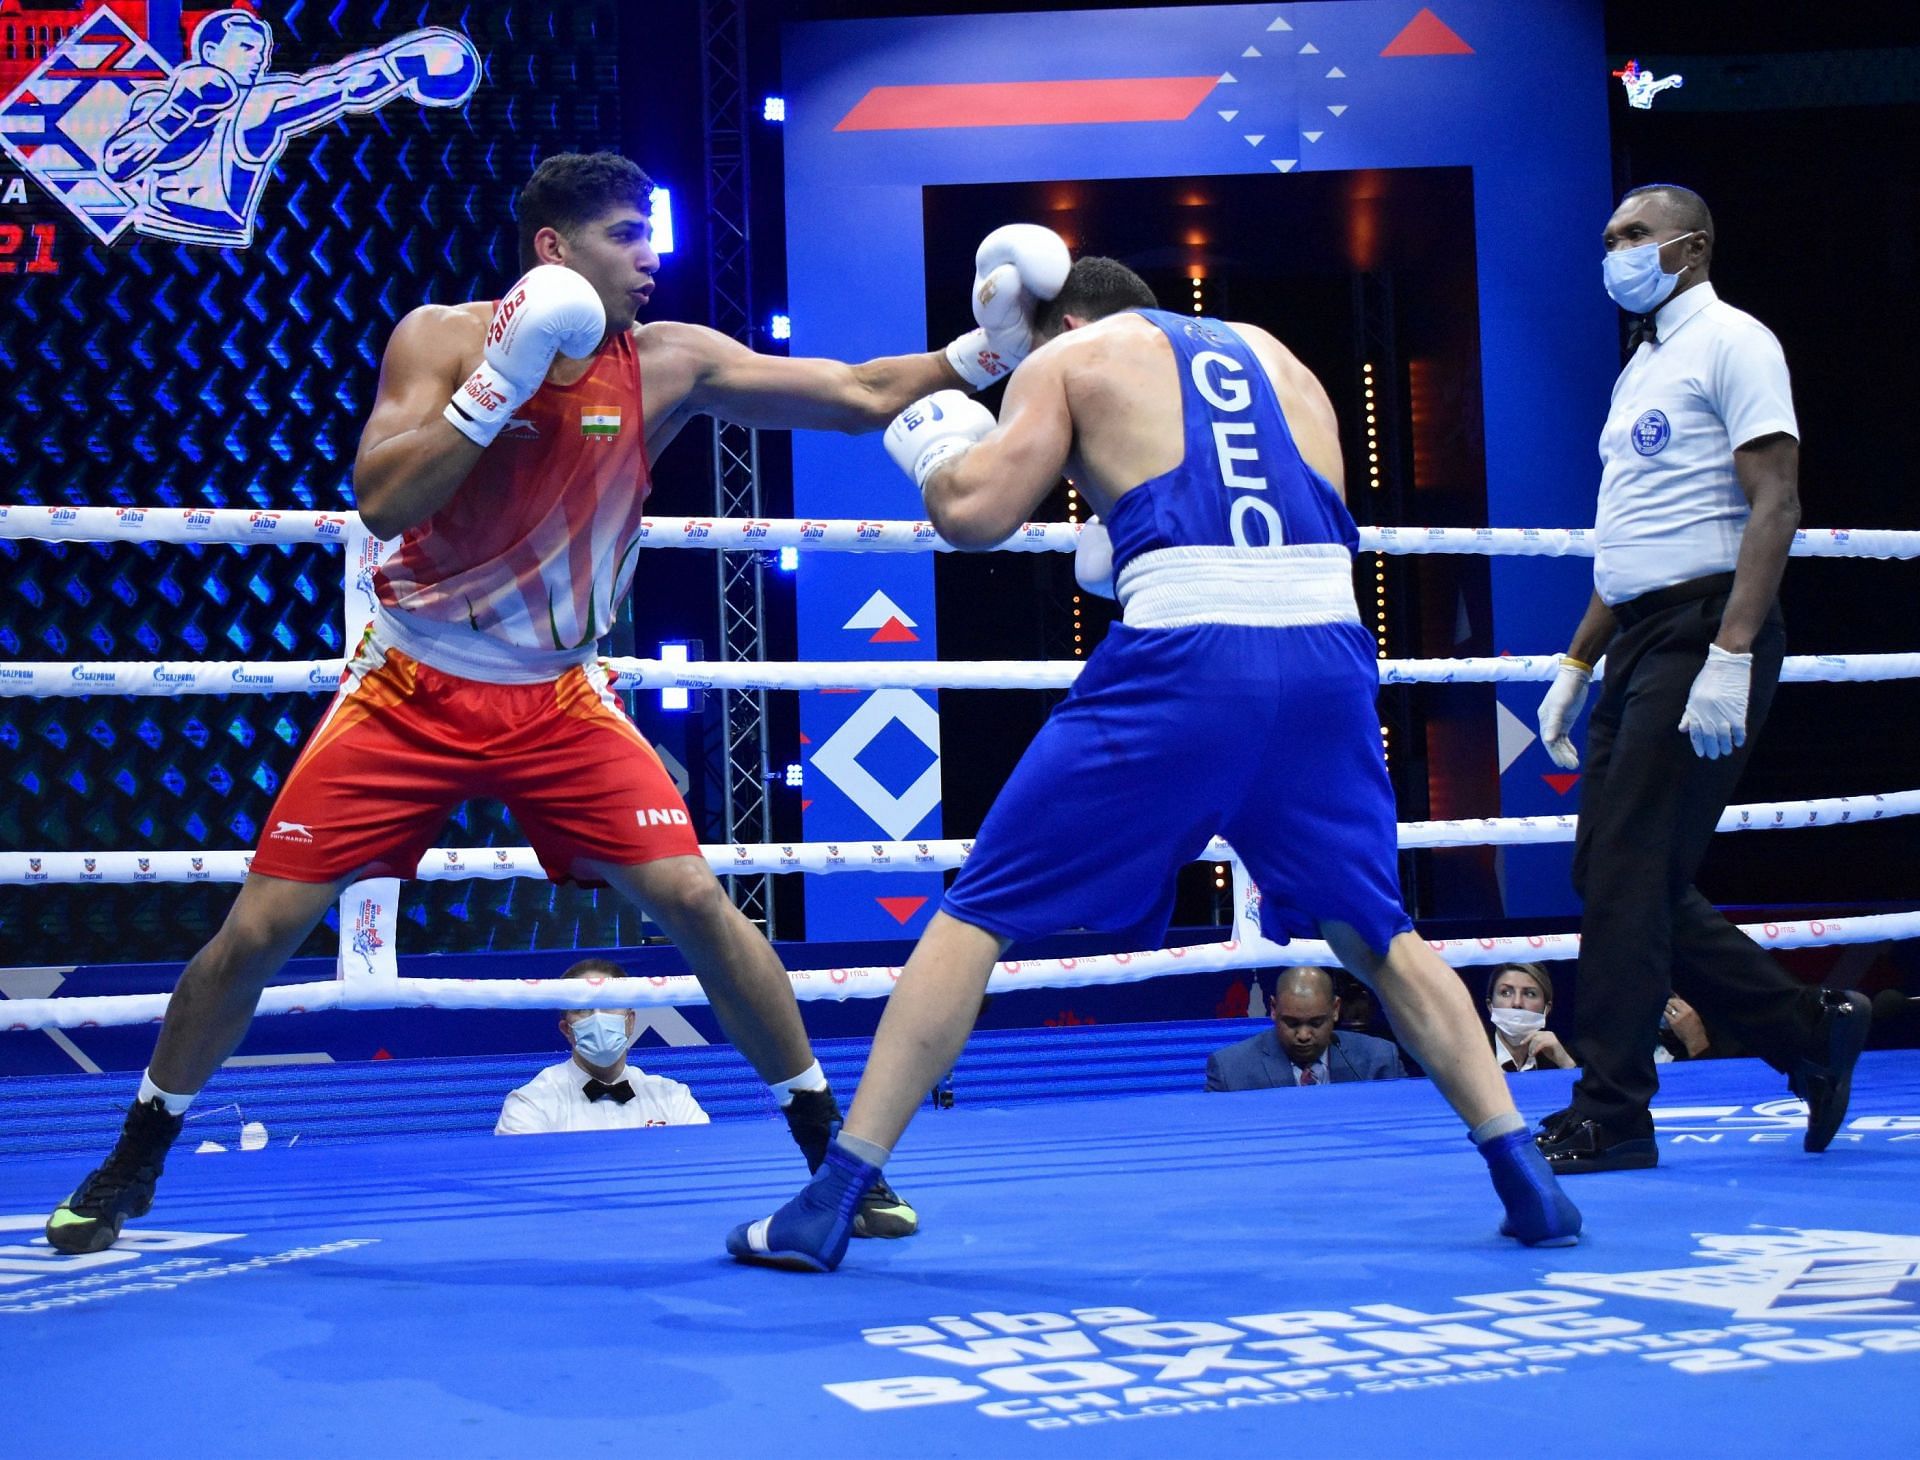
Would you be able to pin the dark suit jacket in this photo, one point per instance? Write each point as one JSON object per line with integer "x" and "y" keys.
{"x": 1259, "y": 1063}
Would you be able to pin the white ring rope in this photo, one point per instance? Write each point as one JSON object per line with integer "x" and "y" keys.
{"x": 743, "y": 534}
{"x": 496, "y": 864}
{"x": 50, "y": 679}
{"x": 860, "y": 983}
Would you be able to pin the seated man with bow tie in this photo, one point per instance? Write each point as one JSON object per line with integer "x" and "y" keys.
{"x": 596, "y": 1089}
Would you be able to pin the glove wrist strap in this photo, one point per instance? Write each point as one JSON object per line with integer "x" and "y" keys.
{"x": 976, "y": 361}
{"x": 483, "y": 405}
{"x": 939, "y": 454}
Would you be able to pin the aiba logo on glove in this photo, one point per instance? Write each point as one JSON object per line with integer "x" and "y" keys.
{"x": 125, "y": 137}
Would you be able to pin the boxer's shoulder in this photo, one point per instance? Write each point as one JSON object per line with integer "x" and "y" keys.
{"x": 439, "y": 333}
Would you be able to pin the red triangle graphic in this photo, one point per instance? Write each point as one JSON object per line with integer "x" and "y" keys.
{"x": 894, "y": 632}
{"x": 806, "y": 802}
{"x": 806, "y": 739}
{"x": 1562, "y": 783}
{"x": 901, "y": 908}
{"x": 381, "y": 1054}
{"x": 1427, "y": 35}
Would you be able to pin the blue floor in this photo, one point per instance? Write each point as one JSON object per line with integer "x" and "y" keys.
{"x": 1313, "y": 1273}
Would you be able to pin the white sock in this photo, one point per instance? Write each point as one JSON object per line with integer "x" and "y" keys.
{"x": 872, "y": 1152}
{"x": 811, "y": 1078}
{"x": 1497, "y": 1125}
{"x": 175, "y": 1104}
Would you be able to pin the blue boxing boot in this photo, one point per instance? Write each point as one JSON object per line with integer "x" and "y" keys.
{"x": 810, "y": 1233}
{"x": 1538, "y": 1212}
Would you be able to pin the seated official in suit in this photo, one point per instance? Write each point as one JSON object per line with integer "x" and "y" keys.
{"x": 596, "y": 1089}
{"x": 1305, "y": 1046}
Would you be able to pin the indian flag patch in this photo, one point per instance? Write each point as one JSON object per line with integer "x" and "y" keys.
{"x": 599, "y": 420}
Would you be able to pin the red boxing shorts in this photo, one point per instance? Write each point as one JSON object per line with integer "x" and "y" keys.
{"x": 403, "y": 744}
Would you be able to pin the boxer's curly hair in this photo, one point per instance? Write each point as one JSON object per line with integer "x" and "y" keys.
{"x": 1095, "y": 288}
{"x": 569, "y": 189}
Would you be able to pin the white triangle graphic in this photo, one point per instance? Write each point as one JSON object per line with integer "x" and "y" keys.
{"x": 1336, "y": 71}
{"x": 1309, "y": 49}
{"x": 1229, "y": 116}
{"x": 1280, "y": 24}
{"x": 1285, "y": 164}
{"x": 1250, "y": 51}
{"x": 1337, "y": 110}
{"x": 875, "y": 612}
{"x": 1227, "y": 78}
{"x": 1254, "y": 138}
{"x": 1514, "y": 736}
{"x": 1313, "y": 136}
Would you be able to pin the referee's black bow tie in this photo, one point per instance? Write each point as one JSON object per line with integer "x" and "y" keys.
{"x": 1640, "y": 327}
{"x": 620, "y": 1092}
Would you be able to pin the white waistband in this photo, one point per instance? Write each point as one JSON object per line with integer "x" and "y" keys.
{"x": 470, "y": 654}
{"x": 1281, "y": 587}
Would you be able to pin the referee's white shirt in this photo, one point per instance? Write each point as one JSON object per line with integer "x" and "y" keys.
{"x": 1671, "y": 508}
{"x": 556, "y": 1100}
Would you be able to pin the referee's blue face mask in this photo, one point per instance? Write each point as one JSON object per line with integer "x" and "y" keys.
{"x": 1634, "y": 278}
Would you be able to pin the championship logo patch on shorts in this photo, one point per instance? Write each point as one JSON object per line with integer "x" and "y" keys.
{"x": 1651, "y": 432}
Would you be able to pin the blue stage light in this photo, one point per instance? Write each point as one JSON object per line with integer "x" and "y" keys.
{"x": 661, "y": 213}
{"x": 789, "y": 559}
{"x": 775, "y": 109}
{"x": 794, "y": 774}
{"x": 675, "y": 699}
{"x": 780, "y": 327}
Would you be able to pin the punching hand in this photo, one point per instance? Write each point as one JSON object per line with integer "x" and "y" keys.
{"x": 1017, "y": 266}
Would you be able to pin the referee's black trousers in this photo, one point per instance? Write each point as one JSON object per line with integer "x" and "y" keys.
{"x": 1648, "y": 809}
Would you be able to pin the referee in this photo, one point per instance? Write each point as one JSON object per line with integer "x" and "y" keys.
{"x": 1698, "y": 506}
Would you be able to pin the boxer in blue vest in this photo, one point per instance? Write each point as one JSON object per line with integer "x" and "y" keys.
{"x": 1236, "y": 698}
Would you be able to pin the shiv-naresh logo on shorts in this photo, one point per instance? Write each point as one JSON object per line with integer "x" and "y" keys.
{"x": 125, "y": 138}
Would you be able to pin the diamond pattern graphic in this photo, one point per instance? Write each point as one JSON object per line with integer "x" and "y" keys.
{"x": 839, "y": 760}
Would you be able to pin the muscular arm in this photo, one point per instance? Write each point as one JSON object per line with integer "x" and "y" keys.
{"x": 780, "y": 394}
{"x": 410, "y": 461}
{"x": 989, "y": 491}
{"x": 1769, "y": 473}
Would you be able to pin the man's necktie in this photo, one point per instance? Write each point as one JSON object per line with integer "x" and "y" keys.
{"x": 1640, "y": 327}
{"x": 1306, "y": 1076}
{"x": 620, "y": 1092}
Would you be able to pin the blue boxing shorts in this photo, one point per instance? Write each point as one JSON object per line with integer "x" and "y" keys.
{"x": 1266, "y": 736}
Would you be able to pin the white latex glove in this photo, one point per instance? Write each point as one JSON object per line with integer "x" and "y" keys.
{"x": 1716, "y": 715}
{"x": 1565, "y": 698}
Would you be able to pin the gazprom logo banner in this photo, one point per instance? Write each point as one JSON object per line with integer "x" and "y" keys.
{"x": 125, "y": 138}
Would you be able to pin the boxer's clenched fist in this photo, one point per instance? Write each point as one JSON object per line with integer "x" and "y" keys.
{"x": 550, "y": 311}
{"x": 1017, "y": 266}
{"x": 935, "y": 430}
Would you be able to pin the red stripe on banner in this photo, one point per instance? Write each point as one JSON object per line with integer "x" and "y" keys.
{"x": 1028, "y": 103}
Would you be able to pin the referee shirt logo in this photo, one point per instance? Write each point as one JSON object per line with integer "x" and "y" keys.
{"x": 1651, "y": 432}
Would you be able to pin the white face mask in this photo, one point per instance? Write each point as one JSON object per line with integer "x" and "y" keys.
{"x": 1634, "y": 279}
{"x": 1518, "y": 1024}
{"x": 601, "y": 1038}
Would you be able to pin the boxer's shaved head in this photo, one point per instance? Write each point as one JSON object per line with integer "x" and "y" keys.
{"x": 1095, "y": 288}
{"x": 571, "y": 189}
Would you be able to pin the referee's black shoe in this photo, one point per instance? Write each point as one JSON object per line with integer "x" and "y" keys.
{"x": 1824, "y": 1076}
{"x": 122, "y": 1187}
{"x": 1575, "y": 1146}
{"x": 814, "y": 1118}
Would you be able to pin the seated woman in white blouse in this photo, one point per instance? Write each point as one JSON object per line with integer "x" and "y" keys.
{"x": 1519, "y": 998}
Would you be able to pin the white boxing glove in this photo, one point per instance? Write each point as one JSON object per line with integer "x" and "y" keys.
{"x": 1566, "y": 696}
{"x": 1017, "y": 265}
{"x": 935, "y": 430}
{"x": 550, "y": 311}
{"x": 1093, "y": 559}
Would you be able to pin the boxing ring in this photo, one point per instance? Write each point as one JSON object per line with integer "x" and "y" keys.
{"x": 1094, "y": 1277}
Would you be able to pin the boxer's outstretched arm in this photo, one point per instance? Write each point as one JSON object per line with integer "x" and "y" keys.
{"x": 776, "y": 393}
{"x": 410, "y": 461}
{"x": 990, "y": 489}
